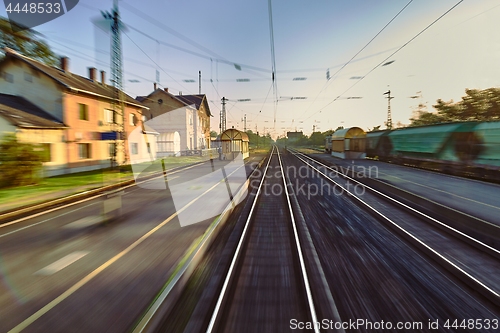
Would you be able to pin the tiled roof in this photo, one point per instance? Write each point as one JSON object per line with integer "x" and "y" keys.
{"x": 187, "y": 100}
{"x": 191, "y": 99}
{"x": 73, "y": 81}
{"x": 148, "y": 98}
{"x": 197, "y": 100}
{"x": 22, "y": 113}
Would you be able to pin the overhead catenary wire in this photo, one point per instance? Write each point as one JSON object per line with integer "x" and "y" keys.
{"x": 273, "y": 61}
{"x": 153, "y": 60}
{"x": 329, "y": 82}
{"x": 86, "y": 57}
{"x": 392, "y": 54}
{"x": 162, "y": 26}
{"x": 101, "y": 62}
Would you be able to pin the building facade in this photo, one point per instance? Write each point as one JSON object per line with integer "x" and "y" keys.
{"x": 182, "y": 121}
{"x": 89, "y": 109}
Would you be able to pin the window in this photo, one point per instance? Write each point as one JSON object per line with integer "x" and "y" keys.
{"x": 28, "y": 77}
{"x": 112, "y": 150}
{"x": 8, "y": 77}
{"x": 83, "y": 111}
{"x": 190, "y": 120}
{"x": 148, "y": 146}
{"x": 134, "y": 147}
{"x": 45, "y": 151}
{"x": 132, "y": 119}
{"x": 83, "y": 151}
{"x": 109, "y": 116}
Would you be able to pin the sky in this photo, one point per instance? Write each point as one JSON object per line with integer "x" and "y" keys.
{"x": 230, "y": 43}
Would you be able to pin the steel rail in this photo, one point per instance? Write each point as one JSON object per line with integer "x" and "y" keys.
{"x": 242, "y": 239}
{"x": 487, "y": 291}
{"x": 303, "y": 269}
{"x": 238, "y": 249}
{"x": 477, "y": 243}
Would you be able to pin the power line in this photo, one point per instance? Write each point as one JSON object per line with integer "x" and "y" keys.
{"x": 238, "y": 66}
{"x": 392, "y": 54}
{"x": 153, "y": 60}
{"x": 168, "y": 29}
{"x": 188, "y": 40}
{"x": 86, "y": 47}
{"x": 357, "y": 53}
{"x": 371, "y": 40}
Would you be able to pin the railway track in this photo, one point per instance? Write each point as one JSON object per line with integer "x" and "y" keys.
{"x": 368, "y": 269}
{"x": 267, "y": 283}
{"x": 467, "y": 258}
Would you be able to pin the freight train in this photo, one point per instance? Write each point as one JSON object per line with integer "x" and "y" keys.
{"x": 460, "y": 148}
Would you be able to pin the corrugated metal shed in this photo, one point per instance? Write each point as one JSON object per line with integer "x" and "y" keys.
{"x": 233, "y": 134}
{"x": 348, "y": 133}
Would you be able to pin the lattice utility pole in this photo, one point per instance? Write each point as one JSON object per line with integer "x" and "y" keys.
{"x": 389, "y": 115}
{"x": 222, "y": 124}
{"x": 117, "y": 83}
{"x": 244, "y": 120}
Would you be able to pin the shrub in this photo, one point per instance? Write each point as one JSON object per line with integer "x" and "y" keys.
{"x": 20, "y": 164}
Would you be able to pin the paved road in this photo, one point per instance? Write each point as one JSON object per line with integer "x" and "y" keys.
{"x": 66, "y": 272}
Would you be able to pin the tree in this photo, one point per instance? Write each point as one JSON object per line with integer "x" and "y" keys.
{"x": 317, "y": 139}
{"x": 26, "y": 42}
{"x": 213, "y": 134}
{"x": 19, "y": 162}
{"x": 476, "y": 105}
{"x": 257, "y": 140}
{"x": 329, "y": 132}
{"x": 426, "y": 118}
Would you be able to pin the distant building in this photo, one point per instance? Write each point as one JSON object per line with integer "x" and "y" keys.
{"x": 294, "y": 136}
{"x": 178, "y": 118}
{"x": 82, "y": 105}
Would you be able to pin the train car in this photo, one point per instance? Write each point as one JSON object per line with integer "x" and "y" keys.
{"x": 470, "y": 149}
{"x": 349, "y": 143}
{"x": 486, "y": 163}
{"x": 328, "y": 144}
{"x": 451, "y": 142}
{"x": 378, "y": 144}
{"x": 488, "y": 134}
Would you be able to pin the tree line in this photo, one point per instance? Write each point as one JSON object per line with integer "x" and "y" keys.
{"x": 476, "y": 105}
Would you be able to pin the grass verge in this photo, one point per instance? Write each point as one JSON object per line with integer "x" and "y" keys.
{"x": 61, "y": 186}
